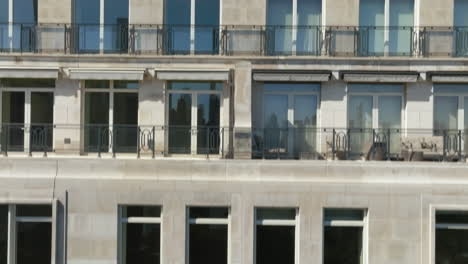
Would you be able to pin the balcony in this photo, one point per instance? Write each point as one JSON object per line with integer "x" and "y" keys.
{"x": 217, "y": 142}
{"x": 233, "y": 40}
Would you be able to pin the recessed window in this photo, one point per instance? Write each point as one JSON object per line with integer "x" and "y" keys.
{"x": 275, "y": 235}
{"x": 27, "y": 83}
{"x": 451, "y": 237}
{"x": 344, "y": 236}
{"x": 208, "y": 235}
{"x": 30, "y": 239}
{"x": 140, "y": 235}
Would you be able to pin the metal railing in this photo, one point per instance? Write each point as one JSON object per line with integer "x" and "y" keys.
{"x": 301, "y": 143}
{"x": 234, "y": 40}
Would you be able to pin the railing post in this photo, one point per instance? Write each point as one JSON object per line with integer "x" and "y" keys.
{"x": 45, "y": 141}
{"x": 154, "y": 142}
{"x": 445, "y": 145}
{"x": 222, "y": 142}
{"x": 138, "y": 141}
{"x": 113, "y": 134}
{"x": 99, "y": 141}
{"x": 6, "y": 139}
{"x": 459, "y": 145}
{"x": 334, "y": 144}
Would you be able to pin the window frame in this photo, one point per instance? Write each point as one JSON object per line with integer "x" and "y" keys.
{"x": 461, "y": 96}
{"x": 348, "y": 223}
{"x": 207, "y": 221}
{"x": 122, "y": 236}
{"x": 375, "y": 103}
{"x": 111, "y": 91}
{"x": 11, "y": 22}
{"x": 278, "y": 222}
{"x": 13, "y": 220}
{"x": 194, "y": 110}
{"x": 27, "y": 108}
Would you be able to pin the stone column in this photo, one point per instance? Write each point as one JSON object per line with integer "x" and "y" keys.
{"x": 67, "y": 117}
{"x": 341, "y": 12}
{"x": 243, "y": 110}
{"x": 151, "y": 116}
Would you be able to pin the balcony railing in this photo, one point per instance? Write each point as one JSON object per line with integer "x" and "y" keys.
{"x": 223, "y": 142}
{"x": 233, "y": 40}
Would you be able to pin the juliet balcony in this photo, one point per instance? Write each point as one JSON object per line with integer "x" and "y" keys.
{"x": 233, "y": 40}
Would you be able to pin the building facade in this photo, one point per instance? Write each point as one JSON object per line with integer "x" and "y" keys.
{"x": 233, "y": 131}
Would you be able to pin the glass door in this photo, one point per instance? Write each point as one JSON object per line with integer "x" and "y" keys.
{"x": 305, "y": 120}
{"x": 390, "y": 121}
{"x": 208, "y": 125}
{"x": 180, "y": 123}
{"x": 42, "y": 119}
{"x": 276, "y": 125}
{"x": 360, "y": 123}
{"x": 13, "y": 121}
{"x": 125, "y": 126}
{"x": 97, "y": 122}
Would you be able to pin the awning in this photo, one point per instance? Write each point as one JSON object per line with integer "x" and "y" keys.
{"x": 106, "y": 74}
{"x": 291, "y": 76}
{"x": 449, "y": 77}
{"x": 192, "y": 75}
{"x": 34, "y": 73}
{"x": 380, "y": 77}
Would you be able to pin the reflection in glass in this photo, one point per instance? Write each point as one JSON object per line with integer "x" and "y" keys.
{"x": 97, "y": 131}
{"x": 24, "y": 19}
{"x": 34, "y": 243}
{"x": 208, "y": 244}
{"x": 143, "y": 243}
{"x": 275, "y": 124}
{"x": 13, "y": 121}
{"x": 4, "y": 43}
{"x": 309, "y": 16}
{"x": 445, "y": 113}
{"x": 305, "y": 121}
{"x": 276, "y": 213}
{"x": 3, "y": 233}
{"x": 401, "y": 23}
{"x": 180, "y": 123}
{"x": 87, "y": 20}
{"x": 177, "y": 18}
{"x": 142, "y": 211}
{"x": 279, "y": 25}
{"x": 372, "y": 22}
{"x": 343, "y": 245}
{"x": 27, "y": 210}
{"x": 390, "y": 118}
{"x": 42, "y": 119}
{"x": 360, "y": 123}
{"x": 208, "y": 130}
{"x": 206, "y": 26}
{"x": 125, "y": 129}
{"x": 275, "y": 244}
{"x": 451, "y": 246}
{"x": 461, "y": 24}
{"x": 116, "y": 25}
{"x": 209, "y": 212}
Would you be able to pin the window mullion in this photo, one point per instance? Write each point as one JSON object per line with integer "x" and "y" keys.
{"x": 192, "y": 26}
{"x": 10, "y": 24}
{"x": 101, "y": 25}
{"x": 11, "y": 234}
{"x": 294, "y": 26}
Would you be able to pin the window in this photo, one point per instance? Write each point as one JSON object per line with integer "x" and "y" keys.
{"x": 98, "y": 31}
{"x": 293, "y": 27}
{"x": 140, "y": 235}
{"x": 386, "y": 27}
{"x": 30, "y": 229}
{"x": 276, "y": 235}
{"x": 451, "y": 237}
{"x": 27, "y": 111}
{"x": 192, "y": 26}
{"x": 208, "y": 235}
{"x": 194, "y": 105}
{"x": 449, "y": 107}
{"x": 374, "y": 112}
{"x": 461, "y": 27}
{"x": 289, "y": 119}
{"x": 344, "y": 239}
{"x": 111, "y": 116}
{"x": 17, "y": 29}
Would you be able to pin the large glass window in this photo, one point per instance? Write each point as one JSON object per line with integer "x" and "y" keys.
{"x": 140, "y": 235}
{"x": 344, "y": 236}
{"x": 451, "y": 236}
{"x": 4, "y": 19}
{"x": 93, "y": 33}
{"x": 275, "y": 235}
{"x": 286, "y": 134}
{"x": 374, "y": 119}
{"x": 449, "y": 105}
{"x": 26, "y": 232}
{"x": 194, "y": 106}
{"x": 381, "y": 35}
{"x": 192, "y": 26}
{"x": 286, "y": 35}
{"x": 111, "y": 116}
{"x": 17, "y": 32}
{"x": 208, "y": 235}
{"x": 27, "y": 114}
{"x": 461, "y": 27}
